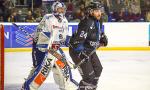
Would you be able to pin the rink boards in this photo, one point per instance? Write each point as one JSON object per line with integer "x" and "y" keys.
{"x": 121, "y": 36}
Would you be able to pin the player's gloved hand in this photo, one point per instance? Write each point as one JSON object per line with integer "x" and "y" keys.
{"x": 67, "y": 40}
{"x": 83, "y": 55}
{"x": 104, "y": 40}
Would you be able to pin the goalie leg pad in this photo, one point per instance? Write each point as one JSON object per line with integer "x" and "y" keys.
{"x": 37, "y": 56}
{"x": 63, "y": 78}
{"x": 40, "y": 74}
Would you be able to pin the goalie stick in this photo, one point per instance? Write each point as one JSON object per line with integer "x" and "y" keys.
{"x": 63, "y": 63}
{"x": 60, "y": 57}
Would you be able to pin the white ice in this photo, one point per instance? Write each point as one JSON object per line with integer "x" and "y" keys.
{"x": 122, "y": 70}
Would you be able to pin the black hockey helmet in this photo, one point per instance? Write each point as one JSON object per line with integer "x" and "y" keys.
{"x": 94, "y": 5}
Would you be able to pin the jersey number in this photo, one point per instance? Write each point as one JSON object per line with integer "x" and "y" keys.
{"x": 83, "y": 34}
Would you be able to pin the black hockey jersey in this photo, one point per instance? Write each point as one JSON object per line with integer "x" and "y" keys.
{"x": 87, "y": 36}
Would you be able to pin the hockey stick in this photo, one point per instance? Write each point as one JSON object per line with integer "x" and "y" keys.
{"x": 83, "y": 60}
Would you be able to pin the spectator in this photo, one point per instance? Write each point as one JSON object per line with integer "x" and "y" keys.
{"x": 29, "y": 17}
{"x": 1, "y": 12}
{"x": 38, "y": 15}
{"x": 78, "y": 15}
{"x": 106, "y": 5}
{"x": 9, "y": 4}
{"x": 13, "y": 17}
{"x": 70, "y": 6}
{"x": 20, "y": 17}
{"x": 129, "y": 17}
{"x": 121, "y": 15}
{"x": 148, "y": 16}
{"x": 104, "y": 17}
{"x": 116, "y": 6}
{"x": 1, "y": 19}
{"x": 135, "y": 7}
{"x": 112, "y": 16}
{"x": 8, "y": 8}
{"x": 69, "y": 11}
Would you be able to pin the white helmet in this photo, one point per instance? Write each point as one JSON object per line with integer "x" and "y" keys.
{"x": 57, "y": 14}
{"x": 57, "y": 5}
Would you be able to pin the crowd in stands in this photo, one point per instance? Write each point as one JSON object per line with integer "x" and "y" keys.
{"x": 114, "y": 10}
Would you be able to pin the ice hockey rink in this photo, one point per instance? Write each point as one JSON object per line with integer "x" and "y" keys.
{"x": 122, "y": 70}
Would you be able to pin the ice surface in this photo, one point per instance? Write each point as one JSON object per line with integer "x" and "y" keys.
{"x": 122, "y": 70}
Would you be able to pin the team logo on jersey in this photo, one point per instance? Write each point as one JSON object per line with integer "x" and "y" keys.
{"x": 54, "y": 26}
{"x": 94, "y": 44}
{"x": 60, "y": 36}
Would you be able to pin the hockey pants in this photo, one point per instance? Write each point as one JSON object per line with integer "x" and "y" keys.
{"x": 90, "y": 70}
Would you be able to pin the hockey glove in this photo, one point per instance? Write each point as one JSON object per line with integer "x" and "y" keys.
{"x": 103, "y": 41}
{"x": 67, "y": 40}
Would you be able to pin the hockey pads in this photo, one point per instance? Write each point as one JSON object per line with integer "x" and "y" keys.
{"x": 103, "y": 41}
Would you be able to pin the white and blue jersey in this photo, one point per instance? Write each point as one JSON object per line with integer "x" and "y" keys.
{"x": 50, "y": 33}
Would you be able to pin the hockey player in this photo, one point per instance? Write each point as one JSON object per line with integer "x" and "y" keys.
{"x": 46, "y": 53}
{"x": 83, "y": 45}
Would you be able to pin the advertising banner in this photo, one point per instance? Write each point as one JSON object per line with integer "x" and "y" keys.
{"x": 20, "y": 35}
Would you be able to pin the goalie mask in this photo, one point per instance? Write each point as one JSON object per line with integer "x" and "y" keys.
{"x": 59, "y": 9}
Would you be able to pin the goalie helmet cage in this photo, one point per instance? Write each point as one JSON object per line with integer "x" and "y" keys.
{"x": 1, "y": 57}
